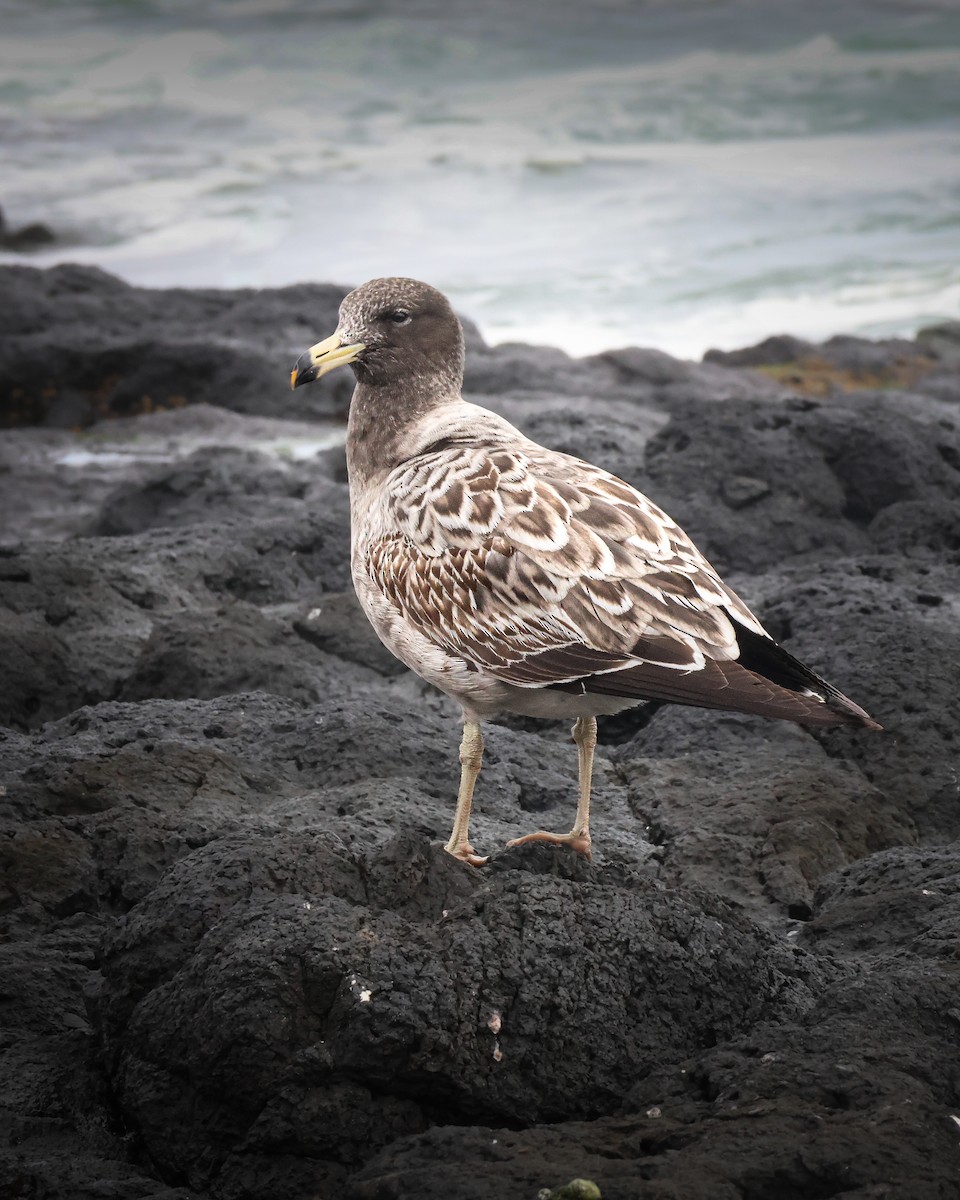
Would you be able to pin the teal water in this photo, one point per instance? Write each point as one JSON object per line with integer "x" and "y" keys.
{"x": 675, "y": 174}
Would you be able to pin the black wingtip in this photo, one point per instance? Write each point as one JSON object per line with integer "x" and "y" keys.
{"x": 768, "y": 658}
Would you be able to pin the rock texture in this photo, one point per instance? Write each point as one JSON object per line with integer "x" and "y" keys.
{"x": 236, "y": 964}
{"x": 120, "y": 350}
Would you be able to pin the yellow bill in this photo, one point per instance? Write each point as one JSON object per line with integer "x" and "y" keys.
{"x": 323, "y": 357}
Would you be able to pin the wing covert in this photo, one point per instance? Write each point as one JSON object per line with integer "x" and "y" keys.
{"x": 543, "y": 570}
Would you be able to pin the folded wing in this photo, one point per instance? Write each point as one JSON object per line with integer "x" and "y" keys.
{"x": 545, "y": 571}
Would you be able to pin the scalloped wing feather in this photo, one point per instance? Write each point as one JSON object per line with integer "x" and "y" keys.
{"x": 502, "y": 554}
{"x": 545, "y": 571}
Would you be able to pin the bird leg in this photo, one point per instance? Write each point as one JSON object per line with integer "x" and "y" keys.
{"x": 471, "y": 759}
{"x": 585, "y": 735}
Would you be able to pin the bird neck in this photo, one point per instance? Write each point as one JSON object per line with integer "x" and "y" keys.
{"x": 382, "y": 417}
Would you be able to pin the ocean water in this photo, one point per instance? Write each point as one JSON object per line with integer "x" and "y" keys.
{"x": 677, "y": 173}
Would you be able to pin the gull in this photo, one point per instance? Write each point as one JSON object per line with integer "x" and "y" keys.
{"x": 520, "y": 580}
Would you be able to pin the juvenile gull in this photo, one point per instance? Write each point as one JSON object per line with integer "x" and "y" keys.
{"x": 517, "y": 579}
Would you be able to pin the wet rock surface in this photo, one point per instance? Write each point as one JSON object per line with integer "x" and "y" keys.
{"x": 236, "y": 962}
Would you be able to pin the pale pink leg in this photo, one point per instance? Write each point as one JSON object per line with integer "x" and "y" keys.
{"x": 585, "y": 735}
{"x": 471, "y": 759}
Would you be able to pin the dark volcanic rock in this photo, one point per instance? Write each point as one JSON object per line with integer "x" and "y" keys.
{"x": 847, "y": 364}
{"x": 338, "y": 626}
{"x": 917, "y": 527}
{"x": 40, "y": 677}
{"x": 360, "y": 763}
{"x": 706, "y": 1151}
{"x": 905, "y": 900}
{"x": 894, "y": 643}
{"x": 197, "y": 464}
{"x": 510, "y": 367}
{"x": 634, "y": 373}
{"x": 89, "y": 609}
{"x": 771, "y": 352}
{"x": 214, "y": 485}
{"x": 753, "y": 809}
{"x": 236, "y": 964}
{"x": 80, "y": 345}
{"x": 296, "y": 1019}
{"x": 238, "y": 648}
{"x": 798, "y": 478}
{"x": 24, "y": 237}
{"x": 763, "y": 494}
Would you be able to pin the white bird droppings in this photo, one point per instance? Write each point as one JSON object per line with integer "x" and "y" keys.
{"x": 495, "y": 1024}
{"x": 363, "y": 994}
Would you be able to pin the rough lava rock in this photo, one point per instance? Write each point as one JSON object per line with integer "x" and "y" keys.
{"x": 337, "y": 1004}
{"x": 236, "y": 964}
{"x": 80, "y": 345}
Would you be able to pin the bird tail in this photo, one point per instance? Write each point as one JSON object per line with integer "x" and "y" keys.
{"x": 764, "y": 680}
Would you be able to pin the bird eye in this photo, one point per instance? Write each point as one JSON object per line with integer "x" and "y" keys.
{"x": 398, "y": 316}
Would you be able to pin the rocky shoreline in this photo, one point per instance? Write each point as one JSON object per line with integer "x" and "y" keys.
{"x": 236, "y": 963}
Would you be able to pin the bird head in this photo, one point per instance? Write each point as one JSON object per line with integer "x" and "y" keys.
{"x": 390, "y": 329}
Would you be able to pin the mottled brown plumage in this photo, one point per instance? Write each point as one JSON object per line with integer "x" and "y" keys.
{"x": 516, "y": 578}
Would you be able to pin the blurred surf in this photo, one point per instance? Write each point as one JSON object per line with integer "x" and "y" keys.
{"x": 683, "y": 175}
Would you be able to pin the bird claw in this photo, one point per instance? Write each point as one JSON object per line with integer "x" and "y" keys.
{"x": 466, "y": 853}
{"x": 577, "y": 839}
